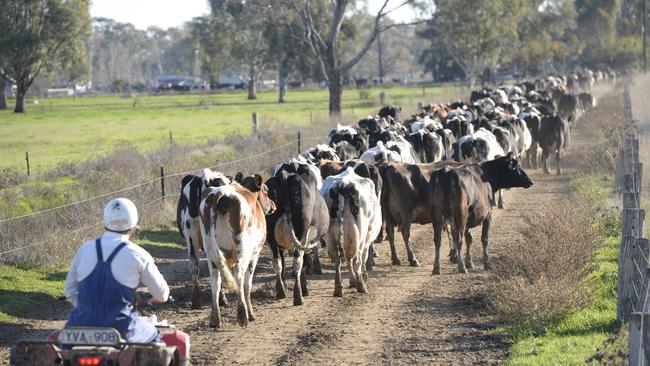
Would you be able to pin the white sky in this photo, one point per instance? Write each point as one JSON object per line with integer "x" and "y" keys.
{"x": 173, "y": 13}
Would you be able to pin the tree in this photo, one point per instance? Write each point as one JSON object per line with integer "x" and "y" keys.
{"x": 596, "y": 21}
{"x": 322, "y": 24}
{"x": 475, "y": 36}
{"x": 246, "y": 19}
{"x": 39, "y": 34}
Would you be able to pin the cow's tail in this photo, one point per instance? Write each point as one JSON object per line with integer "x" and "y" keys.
{"x": 223, "y": 204}
{"x": 339, "y": 218}
{"x": 296, "y": 221}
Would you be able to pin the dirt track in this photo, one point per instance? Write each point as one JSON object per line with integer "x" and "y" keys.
{"x": 408, "y": 315}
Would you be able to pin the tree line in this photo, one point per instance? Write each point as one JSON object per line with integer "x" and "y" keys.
{"x": 327, "y": 41}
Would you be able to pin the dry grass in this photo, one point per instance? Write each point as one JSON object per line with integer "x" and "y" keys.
{"x": 541, "y": 277}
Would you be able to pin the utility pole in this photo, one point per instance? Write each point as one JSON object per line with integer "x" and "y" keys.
{"x": 380, "y": 58}
{"x": 645, "y": 31}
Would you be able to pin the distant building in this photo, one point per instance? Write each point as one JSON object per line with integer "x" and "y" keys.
{"x": 229, "y": 80}
{"x": 178, "y": 83}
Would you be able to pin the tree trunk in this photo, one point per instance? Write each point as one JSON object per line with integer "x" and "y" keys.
{"x": 380, "y": 58}
{"x": 336, "y": 92}
{"x": 3, "y": 95}
{"x": 21, "y": 90}
{"x": 282, "y": 89}
{"x": 252, "y": 89}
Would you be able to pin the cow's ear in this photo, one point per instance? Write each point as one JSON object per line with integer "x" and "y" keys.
{"x": 509, "y": 155}
{"x": 239, "y": 177}
{"x": 258, "y": 181}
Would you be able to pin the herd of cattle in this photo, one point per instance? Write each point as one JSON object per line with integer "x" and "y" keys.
{"x": 443, "y": 166}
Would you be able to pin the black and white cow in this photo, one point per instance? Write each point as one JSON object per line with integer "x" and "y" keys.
{"x": 188, "y": 218}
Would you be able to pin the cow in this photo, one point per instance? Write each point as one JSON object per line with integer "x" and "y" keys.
{"x": 554, "y": 137}
{"x": 567, "y": 107}
{"x": 355, "y": 221}
{"x": 299, "y": 206}
{"x": 429, "y": 147}
{"x": 345, "y": 151}
{"x": 390, "y": 111}
{"x": 321, "y": 151}
{"x": 380, "y": 153}
{"x": 233, "y": 227}
{"x": 460, "y": 196}
{"x": 405, "y": 199}
{"x": 349, "y": 134}
{"x": 533, "y": 119}
{"x": 188, "y": 221}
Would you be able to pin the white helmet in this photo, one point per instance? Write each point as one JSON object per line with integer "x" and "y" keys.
{"x": 120, "y": 214}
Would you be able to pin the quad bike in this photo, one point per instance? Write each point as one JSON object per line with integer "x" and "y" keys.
{"x": 96, "y": 346}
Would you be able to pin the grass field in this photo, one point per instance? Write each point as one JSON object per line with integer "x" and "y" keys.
{"x": 55, "y": 131}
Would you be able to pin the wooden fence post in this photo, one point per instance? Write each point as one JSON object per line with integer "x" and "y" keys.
{"x": 639, "y": 353}
{"x": 162, "y": 182}
{"x": 254, "y": 121}
{"x": 299, "y": 149}
{"x": 27, "y": 160}
{"x": 382, "y": 98}
{"x": 419, "y": 107}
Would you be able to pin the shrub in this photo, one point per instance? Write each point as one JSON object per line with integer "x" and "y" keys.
{"x": 541, "y": 277}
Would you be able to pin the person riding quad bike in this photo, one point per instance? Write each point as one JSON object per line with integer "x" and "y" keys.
{"x": 101, "y": 285}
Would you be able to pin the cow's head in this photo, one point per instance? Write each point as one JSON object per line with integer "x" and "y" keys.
{"x": 255, "y": 184}
{"x": 505, "y": 172}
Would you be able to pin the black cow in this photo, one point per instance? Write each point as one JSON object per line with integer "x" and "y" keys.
{"x": 428, "y": 146}
{"x": 346, "y": 151}
{"x": 567, "y": 107}
{"x": 390, "y": 111}
{"x": 299, "y": 206}
{"x": 460, "y": 196}
{"x": 554, "y": 137}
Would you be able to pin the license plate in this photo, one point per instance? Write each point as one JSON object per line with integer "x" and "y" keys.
{"x": 90, "y": 336}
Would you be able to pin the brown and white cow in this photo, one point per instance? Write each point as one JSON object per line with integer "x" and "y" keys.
{"x": 233, "y": 227}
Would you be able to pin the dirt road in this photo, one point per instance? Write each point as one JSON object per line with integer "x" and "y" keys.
{"x": 408, "y": 315}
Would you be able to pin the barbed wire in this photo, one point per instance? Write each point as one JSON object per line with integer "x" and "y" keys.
{"x": 154, "y": 181}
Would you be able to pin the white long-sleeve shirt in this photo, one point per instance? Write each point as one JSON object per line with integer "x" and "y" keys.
{"x": 131, "y": 266}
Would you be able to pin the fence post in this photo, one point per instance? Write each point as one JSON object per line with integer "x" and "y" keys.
{"x": 382, "y": 98}
{"x": 162, "y": 182}
{"x": 299, "y": 149}
{"x": 423, "y": 90}
{"x": 254, "y": 121}
{"x": 171, "y": 139}
{"x": 639, "y": 353}
{"x": 311, "y": 117}
{"x": 632, "y": 230}
{"x": 419, "y": 107}
{"x": 27, "y": 160}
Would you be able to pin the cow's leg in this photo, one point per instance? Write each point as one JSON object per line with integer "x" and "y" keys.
{"x": 390, "y": 233}
{"x": 356, "y": 267}
{"x": 545, "y": 162}
{"x": 457, "y": 233}
{"x": 278, "y": 268}
{"x": 308, "y": 262}
{"x": 558, "y": 157}
{"x": 353, "y": 277}
{"x": 453, "y": 256}
{"x": 364, "y": 260}
{"x": 501, "y": 203}
{"x": 437, "y": 239}
{"x": 370, "y": 257}
{"x": 248, "y": 285}
{"x": 406, "y": 235}
{"x": 316, "y": 266}
{"x": 215, "y": 285}
{"x": 194, "y": 269}
{"x": 240, "y": 276}
{"x": 485, "y": 231}
{"x": 297, "y": 269}
{"x": 468, "y": 249}
{"x": 338, "y": 286}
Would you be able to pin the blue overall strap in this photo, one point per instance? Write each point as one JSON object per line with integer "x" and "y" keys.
{"x": 98, "y": 246}
{"x": 110, "y": 257}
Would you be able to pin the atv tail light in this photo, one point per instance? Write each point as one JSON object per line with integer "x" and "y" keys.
{"x": 89, "y": 360}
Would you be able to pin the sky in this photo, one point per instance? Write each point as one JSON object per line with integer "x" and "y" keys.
{"x": 173, "y": 13}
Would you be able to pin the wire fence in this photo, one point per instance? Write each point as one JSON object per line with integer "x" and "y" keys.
{"x": 56, "y": 232}
{"x": 633, "y": 295}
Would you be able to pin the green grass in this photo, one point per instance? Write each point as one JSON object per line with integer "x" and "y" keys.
{"x": 575, "y": 338}
{"x": 56, "y": 131}
{"x": 26, "y": 292}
